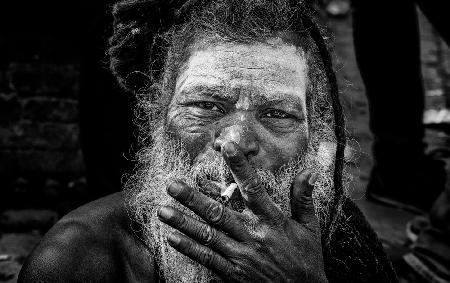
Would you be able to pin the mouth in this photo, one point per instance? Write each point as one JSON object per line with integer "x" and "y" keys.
{"x": 213, "y": 186}
{"x": 220, "y": 190}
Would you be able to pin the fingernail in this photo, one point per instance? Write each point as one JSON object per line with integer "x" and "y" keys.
{"x": 173, "y": 239}
{"x": 229, "y": 149}
{"x": 174, "y": 189}
{"x": 313, "y": 178}
{"x": 164, "y": 213}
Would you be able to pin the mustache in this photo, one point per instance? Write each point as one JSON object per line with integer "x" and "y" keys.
{"x": 166, "y": 161}
{"x": 212, "y": 177}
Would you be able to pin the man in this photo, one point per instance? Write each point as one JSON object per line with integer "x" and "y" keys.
{"x": 236, "y": 179}
{"x": 399, "y": 148}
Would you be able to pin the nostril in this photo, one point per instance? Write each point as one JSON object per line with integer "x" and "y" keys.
{"x": 217, "y": 144}
{"x": 250, "y": 149}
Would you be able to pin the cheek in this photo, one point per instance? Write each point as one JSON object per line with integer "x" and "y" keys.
{"x": 281, "y": 149}
{"x": 189, "y": 120}
{"x": 195, "y": 137}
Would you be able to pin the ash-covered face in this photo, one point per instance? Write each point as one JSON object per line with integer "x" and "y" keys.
{"x": 253, "y": 95}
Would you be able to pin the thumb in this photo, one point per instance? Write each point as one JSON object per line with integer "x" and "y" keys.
{"x": 302, "y": 206}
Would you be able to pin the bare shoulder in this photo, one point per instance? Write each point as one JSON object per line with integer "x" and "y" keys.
{"x": 94, "y": 243}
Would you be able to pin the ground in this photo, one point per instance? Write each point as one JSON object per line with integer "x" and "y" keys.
{"x": 388, "y": 223}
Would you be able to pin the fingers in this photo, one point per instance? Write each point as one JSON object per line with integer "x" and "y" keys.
{"x": 197, "y": 230}
{"x": 208, "y": 209}
{"x": 201, "y": 254}
{"x": 302, "y": 206}
{"x": 249, "y": 183}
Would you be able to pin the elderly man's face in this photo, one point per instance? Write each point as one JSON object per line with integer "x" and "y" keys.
{"x": 253, "y": 95}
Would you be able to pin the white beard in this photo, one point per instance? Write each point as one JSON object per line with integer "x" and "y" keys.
{"x": 166, "y": 161}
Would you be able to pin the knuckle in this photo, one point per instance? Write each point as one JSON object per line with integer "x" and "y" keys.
{"x": 180, "y": 221}
{"x": 238, "y": 164}
{"x": 235, "y": 159}
{"x": 302, "y": 178}
{"x": 215, "y": 213}
{"x": 207, "y": 234}
{"x": 233, "y": 273}
{"x": 186, "y": 246}
{"x": 239, "y": 274}
{"x": 190, "y": 198}
{"x": 262, "y": 233}
{"x": 305, "y": 201}
{"x": 206, "y": 257}
{"x": 253, "y": 186}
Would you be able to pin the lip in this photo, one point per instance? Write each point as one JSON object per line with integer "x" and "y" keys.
{"x": 216, "y": 181}
{"x": 215, "y": 190}
{"x": 218, "y": 189}
{"x": 215, "y": 187}
{"x": 209, "y": 187}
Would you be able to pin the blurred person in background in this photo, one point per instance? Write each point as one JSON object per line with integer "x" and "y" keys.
{"x": 335, "y": 8}
{"x": 387, "y": 47}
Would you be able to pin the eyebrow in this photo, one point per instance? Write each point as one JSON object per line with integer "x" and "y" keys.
{"x": 217, "y": 91}
{"x": 231, "y": 95}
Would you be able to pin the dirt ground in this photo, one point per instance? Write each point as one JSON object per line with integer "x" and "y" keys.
{"x": 388, "y": 223}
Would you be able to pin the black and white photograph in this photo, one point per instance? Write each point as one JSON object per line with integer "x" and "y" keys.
{"x": 225, "y": 141}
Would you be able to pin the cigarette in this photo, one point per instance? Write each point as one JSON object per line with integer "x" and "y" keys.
{"x": 226, "y": 195}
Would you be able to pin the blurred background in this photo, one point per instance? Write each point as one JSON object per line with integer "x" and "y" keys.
{"x": 66, "y": 131}
{"x": 65, "y": 126}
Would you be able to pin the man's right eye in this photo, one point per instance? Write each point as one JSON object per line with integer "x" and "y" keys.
{"x": 207, "y": 105}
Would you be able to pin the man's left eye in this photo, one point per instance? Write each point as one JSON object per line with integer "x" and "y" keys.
{"x": 277, "y": 114}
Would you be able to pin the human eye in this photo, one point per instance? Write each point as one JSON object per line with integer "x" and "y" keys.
{"x": 277, "y": 114}
{"x": 207, "y": 105}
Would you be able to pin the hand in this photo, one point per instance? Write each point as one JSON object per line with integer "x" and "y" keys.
{"x": 259, "y": 245}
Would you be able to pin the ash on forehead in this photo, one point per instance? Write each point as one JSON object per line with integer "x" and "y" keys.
{"x": 256, "y": 73}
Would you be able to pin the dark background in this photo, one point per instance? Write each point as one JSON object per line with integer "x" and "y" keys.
{"x": 65, "y": 129}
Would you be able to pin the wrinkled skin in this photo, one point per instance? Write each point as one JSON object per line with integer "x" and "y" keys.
{"x": 261, "y": 112}
{"x": 253, "y": 95}
{"x": 247, "y": 102}
{"x": 259, "y": 245}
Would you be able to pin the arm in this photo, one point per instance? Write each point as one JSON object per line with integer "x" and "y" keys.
{"x": 70, "y": 252}
{"x": 91, "y": 244}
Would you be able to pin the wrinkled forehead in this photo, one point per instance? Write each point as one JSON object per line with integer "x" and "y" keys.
{"x": 265, "y": 71}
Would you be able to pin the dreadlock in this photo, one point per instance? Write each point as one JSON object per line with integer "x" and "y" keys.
{"x": 339, "y": 126}
{"x": 151, "y": 40}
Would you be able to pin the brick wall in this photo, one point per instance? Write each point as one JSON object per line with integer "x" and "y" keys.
{"x": 63, "y": 120}
{"x": 39, "y": 117}
{"x": 39, "y": 130}
{"x": 41, "y": 162}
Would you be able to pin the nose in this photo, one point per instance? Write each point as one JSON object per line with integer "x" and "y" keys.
{"x": 242, "y": 135}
